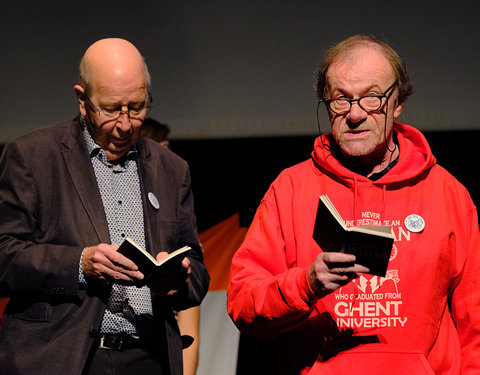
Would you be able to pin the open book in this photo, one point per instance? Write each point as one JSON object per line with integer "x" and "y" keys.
{"x": 370, "y": 244}
{"x": 145, "y": 261}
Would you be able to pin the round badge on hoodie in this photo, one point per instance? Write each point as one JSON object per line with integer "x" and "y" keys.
{"x": 415, "y": 223}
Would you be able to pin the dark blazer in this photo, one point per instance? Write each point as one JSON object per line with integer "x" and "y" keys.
{"x": 50, "y": 209}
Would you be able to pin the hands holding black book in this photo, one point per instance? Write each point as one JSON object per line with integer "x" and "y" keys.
{"x": 129, "y": 264}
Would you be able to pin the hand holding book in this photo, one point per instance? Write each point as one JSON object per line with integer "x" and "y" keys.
{"x": 166, "y": 270}
{"x": 101, "y": 262}
{"x": 331, "y": 270}
{"x": 371, "y": 245}
{"x": 173, "y": 277}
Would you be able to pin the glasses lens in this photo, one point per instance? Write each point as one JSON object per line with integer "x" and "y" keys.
{"x": 110, "y": 113}
{"x": 133, "y": 113}
{"x": 370, "y": 103}
{"x": 340, "y": 106}
{"x": 137, "y": 111}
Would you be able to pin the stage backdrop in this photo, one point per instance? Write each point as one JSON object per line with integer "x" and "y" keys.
{"x": 224, "y": 68}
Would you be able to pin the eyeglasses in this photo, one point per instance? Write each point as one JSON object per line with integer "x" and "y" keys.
{"x": 133, "y": 111}
{"x": 369, "y": 103}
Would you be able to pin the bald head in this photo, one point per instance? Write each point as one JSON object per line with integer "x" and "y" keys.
{"x": 111, "y": 60}
{"x": 113, "y": 95}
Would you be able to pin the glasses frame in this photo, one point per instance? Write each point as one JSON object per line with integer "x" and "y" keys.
{"x": 147, "y": 105}
{"x": 385, "y": 94}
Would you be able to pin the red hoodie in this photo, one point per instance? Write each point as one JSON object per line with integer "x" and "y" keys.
{"x": 399, "y": 324}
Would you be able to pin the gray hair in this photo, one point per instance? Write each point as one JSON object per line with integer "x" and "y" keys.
{"x": 342, "y": 49}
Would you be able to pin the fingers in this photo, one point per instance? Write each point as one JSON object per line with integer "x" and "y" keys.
{"x": 186, "y": 265}
{"x": 105, "y": 263}
{"x": 341, "y": 263}
{"x": 330, "y": 271}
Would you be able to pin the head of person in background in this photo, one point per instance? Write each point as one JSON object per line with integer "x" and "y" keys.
{"x": 157, "y": 131}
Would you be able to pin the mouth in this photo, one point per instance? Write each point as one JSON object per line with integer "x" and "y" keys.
{"x": 121, "y": 143}
{"x": 356, "y": 133}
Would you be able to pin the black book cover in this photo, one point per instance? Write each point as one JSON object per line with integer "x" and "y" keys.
{"x": 371, "y": 245}
{"x": 146, "y": 263}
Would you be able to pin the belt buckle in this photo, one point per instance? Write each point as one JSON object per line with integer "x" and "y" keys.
{"x": 111, "y": 342}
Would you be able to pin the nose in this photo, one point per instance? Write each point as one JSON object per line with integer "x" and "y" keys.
{"x": 356, "y": 114}
{"x": 123, "y": 122}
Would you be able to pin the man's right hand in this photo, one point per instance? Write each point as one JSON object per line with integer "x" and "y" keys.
{"x": 103, "y": 262}
{"x": 332, "y": 270}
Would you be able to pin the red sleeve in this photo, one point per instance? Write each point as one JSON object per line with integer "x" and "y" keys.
{"x": 465, "y": 298}
{"x": 265, "y": 297}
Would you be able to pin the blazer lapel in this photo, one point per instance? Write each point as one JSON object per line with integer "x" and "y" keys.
{"x": 148, "y": 175}
{"x": 81, "y": 171}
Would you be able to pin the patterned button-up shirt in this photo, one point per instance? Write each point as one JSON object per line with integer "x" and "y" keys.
{"x": 119, "y": 188}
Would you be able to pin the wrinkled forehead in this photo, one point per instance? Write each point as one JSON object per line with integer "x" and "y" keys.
{"x": 361, "y": 65}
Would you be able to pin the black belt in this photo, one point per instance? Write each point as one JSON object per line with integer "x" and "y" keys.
{"x": 112, "y": 341}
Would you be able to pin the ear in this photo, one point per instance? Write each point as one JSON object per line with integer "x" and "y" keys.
{"x": 80, "y": 92}
{"x": 398, "y": 109}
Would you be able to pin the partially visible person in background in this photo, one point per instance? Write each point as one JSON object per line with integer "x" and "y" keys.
{"x": 189, "y": 324}
{"x": 188, "y": 320}
{"x": 157, "y": 131}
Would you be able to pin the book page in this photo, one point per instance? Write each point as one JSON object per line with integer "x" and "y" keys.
{"x": 172, "y": 255}
{"x": 175, "y": 254}
{"x": 328, "y": 203}
{"x": 146, "y": 253}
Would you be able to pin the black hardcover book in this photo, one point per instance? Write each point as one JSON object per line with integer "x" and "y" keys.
{"x": 146, "y": 263}
{"x": 371, "y": 245}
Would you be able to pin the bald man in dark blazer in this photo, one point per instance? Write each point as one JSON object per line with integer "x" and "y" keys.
{"x": 57, "y": 261}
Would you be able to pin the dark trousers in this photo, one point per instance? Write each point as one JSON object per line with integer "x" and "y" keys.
{"x": 134, "y": 361}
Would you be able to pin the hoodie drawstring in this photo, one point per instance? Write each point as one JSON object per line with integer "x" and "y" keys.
{"x": 355, "y": 184}
{"x": 384, "y": 202}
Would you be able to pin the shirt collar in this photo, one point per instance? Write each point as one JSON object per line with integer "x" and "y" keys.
{"x": 94, "y": 150}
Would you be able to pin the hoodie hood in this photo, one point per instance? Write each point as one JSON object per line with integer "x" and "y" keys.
{"x": 415, "y": 158}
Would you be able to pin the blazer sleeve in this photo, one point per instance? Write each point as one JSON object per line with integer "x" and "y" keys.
{"x": 173, "y": 225}
{"x": 199, "y": 278}
{"x": 186, "y": 234}
{"x": 46, "y": 269}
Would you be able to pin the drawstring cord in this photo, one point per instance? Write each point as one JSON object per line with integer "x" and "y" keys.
{"x": 384, "y": 202}
{"x": 355, "y": 184}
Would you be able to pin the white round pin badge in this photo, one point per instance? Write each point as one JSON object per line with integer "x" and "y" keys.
{"x": 153, "y": 200}
{"x": 414, "y": 223}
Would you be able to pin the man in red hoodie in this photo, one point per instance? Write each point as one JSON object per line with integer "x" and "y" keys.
{"x": 324, "y": 311}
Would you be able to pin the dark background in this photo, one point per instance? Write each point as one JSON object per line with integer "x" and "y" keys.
{"x": 236, "y": 68}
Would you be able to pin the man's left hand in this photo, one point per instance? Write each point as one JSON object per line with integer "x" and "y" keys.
{"x": 171, "y": 278}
